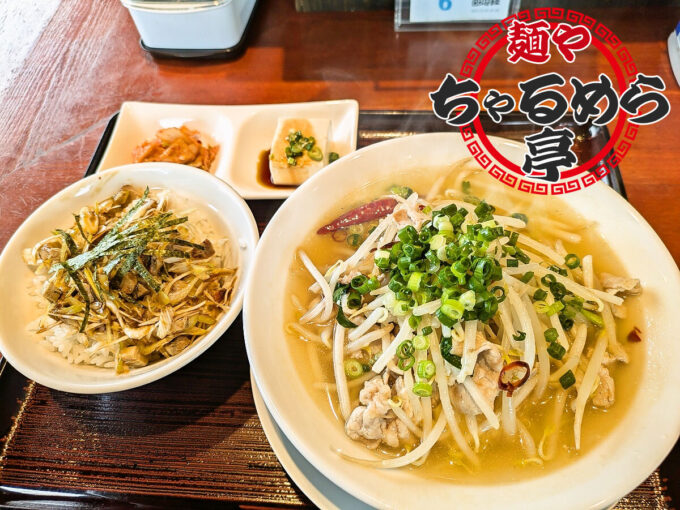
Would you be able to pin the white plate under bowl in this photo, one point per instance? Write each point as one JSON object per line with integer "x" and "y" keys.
{"x": 212, "y": 197}
{"x": 241, "y": 131}
{"x": 319, "y": 489}
{"x": 620, "y": 462}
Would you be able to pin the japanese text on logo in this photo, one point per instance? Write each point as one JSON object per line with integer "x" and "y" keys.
{"x": 550, "y": 151}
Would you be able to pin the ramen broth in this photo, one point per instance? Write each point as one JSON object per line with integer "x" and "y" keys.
{"x": 502, "y": 459}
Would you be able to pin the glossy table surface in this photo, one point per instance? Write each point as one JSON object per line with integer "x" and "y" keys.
{"x": 87, "y": 61}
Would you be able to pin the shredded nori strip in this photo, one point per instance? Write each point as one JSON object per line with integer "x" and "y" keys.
{"x": 146, "y": 276}
{"x": 111, "y": 264}
{"x": 109, "y": 240}
{"x": 80, "y": 228}
{"x": 79, "y": 285}
{"x": 129, "y": 214}
{"x": 70, "y": 243}
{"x": 125, "y": 249}
{"x": 129, "y": 262}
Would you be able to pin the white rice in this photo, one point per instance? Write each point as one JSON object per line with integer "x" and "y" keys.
{"x": 77, "y": 349}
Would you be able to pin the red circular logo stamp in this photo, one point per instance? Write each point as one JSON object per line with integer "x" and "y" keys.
{"x": 622, "y": 98}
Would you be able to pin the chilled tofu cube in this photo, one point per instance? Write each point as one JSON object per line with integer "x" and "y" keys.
{"x": 293, "y": 169}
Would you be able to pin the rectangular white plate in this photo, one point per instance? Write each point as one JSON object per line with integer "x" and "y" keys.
{"x": 242, "y": 132}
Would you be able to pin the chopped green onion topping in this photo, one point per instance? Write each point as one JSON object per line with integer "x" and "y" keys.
{"x": 408, "y": 234}
{"x": 402, "y": 191}
{"x": 426, "y": 369}
{"x": 572, "y": 261}
{"x": 333, "y": 156}
{"x": 425, "y": 235}
{"x": 405, "y": 349}
{"x": 315, "y": 153}
{"x": 526, "y": 277}
{"x": 353, "y": 368}
{"x": 548, "y": 279}
{"x": 559, "y": 270}
{"x": 382, "y": 259}
{"x": 406, "y": 363}
{"x": 414, "y": 281}
{"x": 499, "y": 297}
{"x": 566, "y": 322}
{"x": 558, "y": 290}
{"x": 550, "y": 335}
{"x": 420, "y": 342}
{"x": 443, "y": 224}
{"x": 593, "y": 317}
{"x": 427, "y": 330}
{"x": 568, "y": 379}
{"x": 556, "y": 350}
{"x": 453, "y": 309}
{"x": 437, "y": 241}
{"x": 543, "y": 307}
{"x": 360, "y": 284}
{"x": 484, "y": 211}
{"x": 523, "y": 257}
{"x": 444, "y": 260}
{"x": 468, "y": 300}
{"x": 540, "y": 295}
{"x": 404, "y": 294}
{"x": 297, "y": 144}
{"x": 520, "y": 336}
{"x": 354, "y": 240}
{"x": 422, "y": 389}
{"x": 354, "y": 300}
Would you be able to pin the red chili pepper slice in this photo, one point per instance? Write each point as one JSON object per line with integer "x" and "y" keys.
{"x": 362, "y": 214}
{"x": 508, "y": 382}
{"x": 635, "y": 335}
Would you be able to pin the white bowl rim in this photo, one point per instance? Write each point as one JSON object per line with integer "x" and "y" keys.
{"x": 169, "y": 365}
{"x": 633, "y": 478}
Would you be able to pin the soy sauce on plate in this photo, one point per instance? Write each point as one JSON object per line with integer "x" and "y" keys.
{"x": 264, "y": 176}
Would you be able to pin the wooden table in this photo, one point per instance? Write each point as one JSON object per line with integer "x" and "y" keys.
{"x": 88, "y": 60}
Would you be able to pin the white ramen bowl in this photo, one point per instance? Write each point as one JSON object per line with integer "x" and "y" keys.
{"x": 621, "y": 461}
{"x": 212, "y": 197}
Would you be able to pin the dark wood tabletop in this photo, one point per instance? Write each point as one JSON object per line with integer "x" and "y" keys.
{"x": 85, "y": 63}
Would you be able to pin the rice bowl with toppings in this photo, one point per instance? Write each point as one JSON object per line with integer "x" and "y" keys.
{"x": 173, "y": 305}
{"x": 130, "y": 281}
